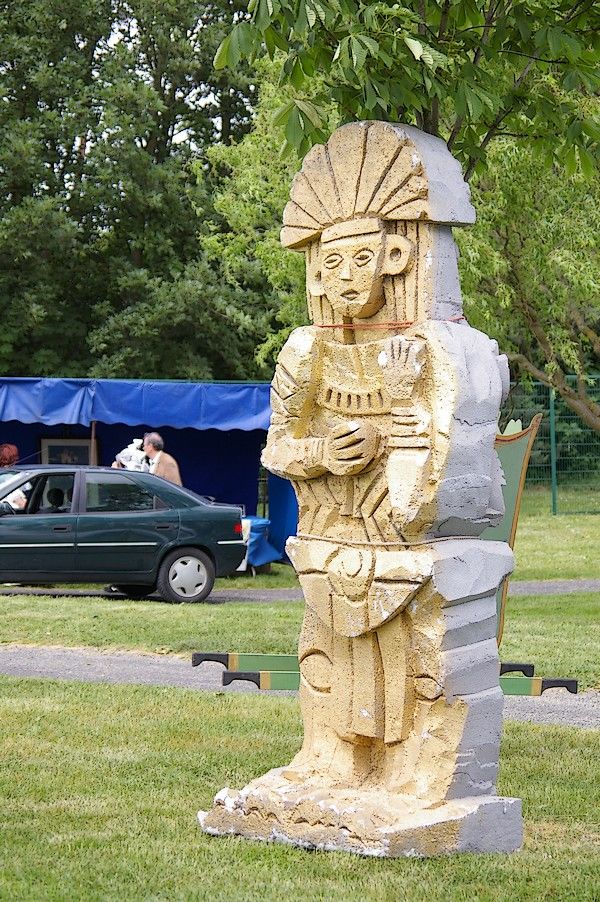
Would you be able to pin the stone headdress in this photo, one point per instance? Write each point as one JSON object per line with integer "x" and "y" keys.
{"x": 375, "y": 170}
{"x": 394, "y": 173}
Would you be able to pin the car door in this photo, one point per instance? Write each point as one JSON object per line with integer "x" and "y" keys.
{"x": 37, "y": 541}
{"x": 123, "y": 528}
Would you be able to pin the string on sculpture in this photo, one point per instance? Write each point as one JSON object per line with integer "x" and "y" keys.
{"x": 387, "y": 325}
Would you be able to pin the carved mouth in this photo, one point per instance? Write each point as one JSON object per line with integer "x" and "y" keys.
{"x": 350, "y": 295}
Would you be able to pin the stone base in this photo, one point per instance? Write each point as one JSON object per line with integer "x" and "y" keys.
{"x": 366, "y": 822}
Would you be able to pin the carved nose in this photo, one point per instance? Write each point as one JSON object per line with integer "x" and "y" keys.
{"x": 345, "y": 271}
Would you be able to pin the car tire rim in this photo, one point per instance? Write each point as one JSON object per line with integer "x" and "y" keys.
{"x": 187, "y": 576}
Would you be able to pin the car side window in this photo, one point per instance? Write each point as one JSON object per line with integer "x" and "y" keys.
{"x": 48, "y": 493}
{"x": 52, "y": 495}
{"x": 113, "y": 492}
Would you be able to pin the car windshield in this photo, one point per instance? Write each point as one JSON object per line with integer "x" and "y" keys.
{"x": 10, "y": 477}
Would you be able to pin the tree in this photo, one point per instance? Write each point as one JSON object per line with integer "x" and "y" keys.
{"x": 107, "y": 104}
{"x": 529, "y": 267}
{"x": 531, "y": 272}
{"x": 253, "y": 188}
{"x": 463, "y": 69}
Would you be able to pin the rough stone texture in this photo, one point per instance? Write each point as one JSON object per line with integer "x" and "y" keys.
{"x": 384, "y": 419}
{"x": 394, "y": 172}
{"x": 371, "y": 823}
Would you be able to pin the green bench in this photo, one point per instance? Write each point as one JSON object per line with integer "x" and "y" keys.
{"x": 280, "y": 672}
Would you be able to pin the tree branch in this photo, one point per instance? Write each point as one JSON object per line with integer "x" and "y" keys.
{"x": 488, "y": 22}
{"x": 590, "y": 334}
{"x": 444, "y": 20}
{"x": 501, "y": 116}
{"x": 585, "y": 407}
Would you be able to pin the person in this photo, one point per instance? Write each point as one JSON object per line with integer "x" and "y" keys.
{"x": 9, "y": 455}
{"x": 133, "y": 457}
{"x": 56, "y": 498}
{"x": 161, "y": 463}
{"x": 17, "y": 499}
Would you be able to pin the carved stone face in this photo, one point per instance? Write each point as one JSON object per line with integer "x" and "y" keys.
{"x": 354, "y": 259}
{"x": 352, "y": 275}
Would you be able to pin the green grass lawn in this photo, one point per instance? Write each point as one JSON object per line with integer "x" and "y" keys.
{"x": 280, "y": 576}
{"x": 100, "y": 787}
{"x": 561, "y": 547}
{"x": 560, "y": 634}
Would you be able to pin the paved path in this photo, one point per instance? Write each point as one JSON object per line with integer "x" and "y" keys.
{"x": 554, "y": 707}
{"x": 221, "y": 595}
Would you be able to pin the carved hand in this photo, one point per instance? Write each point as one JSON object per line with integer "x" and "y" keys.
{"x": 350, "y": 447}
{"x": 402, "y": 362}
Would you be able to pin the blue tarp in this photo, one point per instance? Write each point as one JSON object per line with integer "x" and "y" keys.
{"x": 260, "y": 551}
{"x": 222, "y": 406}
{"x": 191, "y": 417}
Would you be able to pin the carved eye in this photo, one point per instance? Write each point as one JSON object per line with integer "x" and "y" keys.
{"x": 332, "y": 261}
{"x": 361, "y": 258}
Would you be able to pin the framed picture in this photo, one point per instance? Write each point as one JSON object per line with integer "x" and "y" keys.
{"x": 76, "y": 451}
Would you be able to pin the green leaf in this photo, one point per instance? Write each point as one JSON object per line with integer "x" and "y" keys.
{"x": 370, "y": 95}
{"x": 415, "y": 47}
{"x": 427, "y": 57}
{"x": 572, "y": 80}
{"x": 294, "y": 128}
{"x": 587, "y": 162}
{"x": 263, "y": 14}
{"x": 342, "y": 52}
{"x": 275, "y": 40}
{"x": 310, "y": 112}
{"x": 385, "y": 58}
{"x": 474, "y": 104}
{"x": 280, "y": 116}
{"x": 370, "y": 43}
{"x": 570, "y": 161}
{"x": 244, "y": 35}
{"x": 297, "y": 75}
{"x": 359, "y": 53}
{"x": 460, "y": 102}
{"x": 320, "y": 10}
{"x": 592, "y": 129}
{"x": 554, "y": 36}
{"x": 221, "y": 60}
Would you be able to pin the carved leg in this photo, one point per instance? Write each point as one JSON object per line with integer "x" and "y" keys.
{"x": 331, "y": 750}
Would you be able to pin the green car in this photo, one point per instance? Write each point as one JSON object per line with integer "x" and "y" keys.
{"x": 138, "y": 532}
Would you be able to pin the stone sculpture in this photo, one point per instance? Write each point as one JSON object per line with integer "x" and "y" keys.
{"x": 384, "y": 418}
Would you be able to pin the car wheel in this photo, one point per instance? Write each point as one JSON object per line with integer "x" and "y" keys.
{"x": 186, "y": 575}
{"x": 135, "y": 591}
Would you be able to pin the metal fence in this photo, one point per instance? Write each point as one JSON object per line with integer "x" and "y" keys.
{"x": 565, "y": 461}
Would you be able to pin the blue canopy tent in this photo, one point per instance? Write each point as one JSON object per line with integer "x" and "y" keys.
{"x": 215, "y": 430}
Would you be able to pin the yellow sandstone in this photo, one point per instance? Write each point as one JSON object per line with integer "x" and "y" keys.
{"x": 384, "y": 415}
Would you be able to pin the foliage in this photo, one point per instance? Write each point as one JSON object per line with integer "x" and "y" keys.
{"x": 461, "y": 68}
{"x": 253, "y": 188}
{"x": 531, "y": 271}
{"x": 106, "y": 104}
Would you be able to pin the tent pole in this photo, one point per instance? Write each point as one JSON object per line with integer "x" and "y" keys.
{"x": 93, "y": 454}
